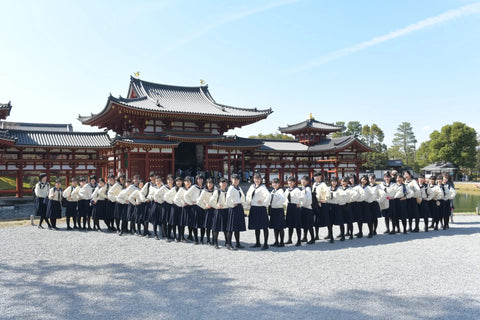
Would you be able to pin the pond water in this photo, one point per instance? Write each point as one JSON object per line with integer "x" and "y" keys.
{"x": 465, "y": 202}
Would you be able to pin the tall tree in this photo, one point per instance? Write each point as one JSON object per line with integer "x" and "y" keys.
{"x": 404, "y": 142}
{"x": 455, "y": 143}
{"x": 373, "y": 137}
{"x": 276, "y": 135}
{"x": 352, "y": 128}
{"x": 423, "y": 156}
{"x": 340, "y": 133}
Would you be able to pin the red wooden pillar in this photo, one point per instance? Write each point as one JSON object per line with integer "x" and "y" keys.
{"x": 147, "y": 163}
{"x": 173, "y": 161}
{"x": 206, "y": 165}
{"x": 357, "y": 169}
{"x": 129, "y": 163}
{"x": 228, "y": 170}
{"x": 267, "y": 174}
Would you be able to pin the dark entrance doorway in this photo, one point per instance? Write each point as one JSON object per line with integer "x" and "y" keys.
{"x": 186, "y": 158}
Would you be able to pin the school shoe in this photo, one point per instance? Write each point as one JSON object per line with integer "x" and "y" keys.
{"x": 426, "y": 229}
{"x": 311, "y": 241}
{"x": 392, "y": 232}
{"x": 359, "y": 235}
{"x": 304, "y": 239}
{"x": 216, "y": 246}
{"x": 289, "y": 242}
{"x": 370, "y": 235}
{"x": 374, "y": 233}
{"x": 298, "y": 244}
{"x": 387, "y": 232}
{"x": 265, "y": 247}
{"x": 275, "y": 244}
{"x": 342, "y": 238}
{"x": 69, "y": 228}
{"x": 256, "y": 245}
{"x": 327, "y": 237}
{"x": 410, "y": 229}
{"x": 281, "y": 245}
{"x": 239, "y": 246}
{"x": 351, "y": 237}
{"x": 316, "y": 237}
{"x": 120, "y": 233}
{"x": 40, "y": 227}
{"x": 229, "y": 247}
{"x": 415, "y": 230}
{"x": 404, "y": 231}
{"x": 331, "y": 240}
{"x": 190, "y": 238}
{"x": 339, "y": 236}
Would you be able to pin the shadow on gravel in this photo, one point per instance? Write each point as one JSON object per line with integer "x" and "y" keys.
{"x": 158, "y": 292}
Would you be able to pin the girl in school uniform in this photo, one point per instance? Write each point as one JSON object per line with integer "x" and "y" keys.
{"x": 197, "y": 214}
{"x": 156, "y": 208}
{"x": 185, "y": 209}
{"x": 204, "y": 203}
{"x": 345, "y": 198}
{"x": 139, "y": 203}
{"x": 110, "y": 205}
{"x": 426, "y": 195}
{"x": 166, "y": 207}
{"x": 450, "y": 194}
{"x": 84, "y": 195}
{"x": 175, "y": 211}
{"x": 293, "y": 220}
{"x": 146, "y": 192}
{"x": 277, "y": 214}
{"x": 41, "y": 193}
{"x": 412, "y": 204}
{"x": 388, "y": 212}
{"x": 99, "y": 200}
{"x": 113, "y": 193}
{"x": 236, "y": 216}
{"x": 71, "y": 209}
{"x": 218, "y": 201}
{"x": 376, "y": 196}
{"x": 401, "y": 204}
{"x": 365, "y": 206}
{"x": 131, "y": 205}
{"x": 358, "y": 196}
{"x": 54, "y": 207}
{"x": 306, "y": 208}
{"x": 258, "y": 199}
{"x": 434, "y": 203}
{"x": 319, "y": 190}
{"x": 336, "y": 214}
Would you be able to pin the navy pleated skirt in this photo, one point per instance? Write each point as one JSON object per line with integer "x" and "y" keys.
{"x": 83, "y": 208}
{"x": 71, "y": 209}
{"x": 117, "y": 213}
{"x": 337, "y": 214}
{"x": 139, "y": 213}
{"x": 199, "y": 214}
{"x": 357, "y": 212}
{"x": 412, "y": 208}
{"x": 294, "y": 216}
{"x": 131, "y": 212}
{"x": 424, "y": 209}
{"x": 277, "y": 218}
{"x": 166, "y": 211}
{"x": 366, "y": 212}
{"x": 40, "y": 207}
{"x": 347, "y": 212}
{"x": 390, "y": 212}
{"x": 155, "y": 213}
{"x": 323, "y": 218}
{"x": 98, "y": 210}
{"x": 109, "y": 210}
{"x": 434, "y": 209}
{"x": 191, "y": 219}
{"x": 307, "y": 218}
{"x": 185, "y": 213}
{"x": 400, "y": 209}
{"x": 209, "y": 213}
{"x": 375, "y": 210}
{"x": 175, "y": 215}
{"x": 236, "y": 219}
{"x": 124, "y": 215}
{"x": 54, "y": 210}
{"x": 220, "y": 220}
{"x": 445, "y": 207}
{"x": 257, "y": 218}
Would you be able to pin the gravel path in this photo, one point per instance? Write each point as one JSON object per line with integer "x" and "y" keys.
{"x": 91, "y": 275}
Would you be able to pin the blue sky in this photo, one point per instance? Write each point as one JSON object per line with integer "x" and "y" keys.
{"x": 380, "y": 62}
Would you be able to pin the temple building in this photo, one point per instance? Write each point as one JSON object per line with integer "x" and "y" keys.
{"x": 168, "y": 129}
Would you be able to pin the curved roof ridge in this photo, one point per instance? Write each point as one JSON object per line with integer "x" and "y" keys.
{"x": 141, "y": 82}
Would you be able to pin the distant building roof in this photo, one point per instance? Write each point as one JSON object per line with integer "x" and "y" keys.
{"x": 26, "y": 126}
{"x": 175, "y": 100}
{"x": 310, "y": 125}
{"x": 323, "y": 146}
{"x": 60, "y": 139}
{"x": 395, "y": 163}
{"x": 5, "y": 109}
{"x": 440, "y": 166}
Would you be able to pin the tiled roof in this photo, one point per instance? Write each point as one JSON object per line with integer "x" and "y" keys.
{"x": 5, "y": 109}
{"x": 131, "y": 140}
{"x": 310, "y": 124}
{"x": 25, "y": 126}
{"x": 237, "y": 142}
{"x": 283, "y": 145}
{"x": 61, "y": 139}
{"x": 295, "y": 146}
{"x": 439, "y": 166}
{"x": 162, "y": 98}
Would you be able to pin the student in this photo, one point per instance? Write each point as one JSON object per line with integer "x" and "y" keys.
{"x": 236, "y": 216}
{"x": 197, "y": 214}
{"x": 376, "y": 196}
{"x": 218, "y": 201}
{"x": 435, "y": 210}
{"x": 358, "y": 196}
{"x": 365, "y": 205}
{"x": 71, "y": 209}
{"x": 156, "y": 198}
{"x": 99, "y": 200}
{"x": 176, "y": 211}
{"x": 450, "y": 195}
{"x": 122, "y": 198}
{"x": 412, "y": 204}
{"x": 131, "y": 205}
{"x": 319, "y": 191}
{"x": 306, "y": 208}
{"x": 166, "y": 207}
{"x": 293, "y": 220}
{"x": 54, "y": 207}
{"x": 258, "y": 199}
{"x": 110, "y": 205}
{"x": 345, "y": 194}
{"x": 138, "y": 202}
{"x": 146, "y": 193}
{"x": 204, "y": 203}
{"x": 41, "y": 193}
{"x": 113, "y": 194}
{"x": 336, "y": 213}
{"x": 277, "y": 214}
{"x": 401, "y": 205}
{"x": 426, "y": 196}
{"x": 84, "y": 196}
{"x": 185, "y": 209}
{"x": 388, "y": 209}
{"x": 93, "y": 184}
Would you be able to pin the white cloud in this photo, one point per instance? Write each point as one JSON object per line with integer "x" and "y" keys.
{"x": 426, "y": 128}
{"x": 444, "y": 17}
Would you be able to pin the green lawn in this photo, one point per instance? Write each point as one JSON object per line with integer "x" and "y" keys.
{"x": 7, "y": 183}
